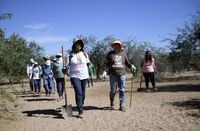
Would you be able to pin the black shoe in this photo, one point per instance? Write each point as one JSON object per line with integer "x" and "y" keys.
{"x": 122, "y": 108}
{"x": 112, "y": 104}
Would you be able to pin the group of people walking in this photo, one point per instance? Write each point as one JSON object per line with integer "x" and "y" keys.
{"x": 77, "y": 67}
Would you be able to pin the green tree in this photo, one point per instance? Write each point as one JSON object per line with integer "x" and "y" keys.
{"x": 15, "y": 53}
{"x": 185, "y": 48}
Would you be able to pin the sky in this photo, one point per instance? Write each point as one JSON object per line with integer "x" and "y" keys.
{"x": 53, "y": 23}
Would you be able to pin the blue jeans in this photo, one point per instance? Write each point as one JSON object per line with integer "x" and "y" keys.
{"x": 120, "y": 82}
{"x": 36, "y": 85}
{"x": 79, "y": 88}
{"x": 48, "y": 85}
{"x": 60, "y": 86}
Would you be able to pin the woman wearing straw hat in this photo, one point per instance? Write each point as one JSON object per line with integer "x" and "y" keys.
{"x": 116, "y": 62}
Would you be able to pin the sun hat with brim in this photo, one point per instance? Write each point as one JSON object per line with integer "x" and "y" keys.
{"x": 58, "y": 55}
{"x": 78, "y": 41}
{"x": 116, "y": 42}
{"x": 45, "y": 57}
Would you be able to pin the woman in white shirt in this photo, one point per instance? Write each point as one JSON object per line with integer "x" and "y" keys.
{"x": 77, "y": 62}
{"x": 36, "y": 73}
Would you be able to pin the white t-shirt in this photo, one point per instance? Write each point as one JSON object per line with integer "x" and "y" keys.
{"x": 77, "y": 63}
{"x": 36, "y": 73}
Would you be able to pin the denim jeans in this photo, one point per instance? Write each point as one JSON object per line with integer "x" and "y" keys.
{"x": 60, "y": 86}
{"x": 36, "y": 85}
{"x": 48, "y": 85}
{"x": 120, "y": 82}
{"x": 79, "y": 88}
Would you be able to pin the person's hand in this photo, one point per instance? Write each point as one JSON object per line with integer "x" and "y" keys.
{"x": 65, "y": 71}
{"x": 133, "y": 68}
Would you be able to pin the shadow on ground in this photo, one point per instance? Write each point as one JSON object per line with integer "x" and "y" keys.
{"x": 44, "y": 113}
{"x": 178, "y": 88}
{"x": 56, "y": 113}
{"x": 190, "y": 105}
{"x": 40, "y": 99}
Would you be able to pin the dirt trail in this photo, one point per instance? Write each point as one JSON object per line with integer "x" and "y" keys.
{"x": 176, "y": 106}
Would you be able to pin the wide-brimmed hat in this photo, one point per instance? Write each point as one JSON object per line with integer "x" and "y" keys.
{"x": 45, "y": 57}
{"x": 35, "y": 63}
{"x": 78, "y": 41}
{"x": 116, "y": 42}
{"x": 58, "y": 55}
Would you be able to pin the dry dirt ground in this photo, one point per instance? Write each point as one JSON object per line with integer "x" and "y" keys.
{"x": 175, "y": 107}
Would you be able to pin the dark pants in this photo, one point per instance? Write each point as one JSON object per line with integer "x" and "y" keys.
{"x": 37, "y": 85}
{"x": 147, "y": 77}
{"x": 90, "y": 81}
{"x": 60, "y": 86}
{"x": 79, "y": 88}
{"x": 31, "y": 84}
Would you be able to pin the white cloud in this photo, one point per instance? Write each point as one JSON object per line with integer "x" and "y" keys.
{"x": 48, "y": 39}
{"x": 38, "y": 26}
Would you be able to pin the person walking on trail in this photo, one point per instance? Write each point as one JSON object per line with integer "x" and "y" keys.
{"x": 148, "y": 68}
{"x": 29, "y": 72}
{"x": 104, "y": 76}
{"x": 77, "y": 61}
{"x": 47, "y": 76}
{"x": 36, "y": 76}
{"x": 91, "y": 72}
{"x": 116, "y": 62}
{"x": 58, "y": 75}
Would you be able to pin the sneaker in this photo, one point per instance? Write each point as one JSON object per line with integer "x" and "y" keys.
{"x": 122, "y": 108}
{"x": 148, "y": 90}
{"x": 155, "y": 89}
{"x": 80, "y": 115}
{"x": 61, "y": 98}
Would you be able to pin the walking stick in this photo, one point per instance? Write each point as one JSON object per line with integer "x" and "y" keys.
{"x": 131, "y": 91}
{"x": 66, "y": 109}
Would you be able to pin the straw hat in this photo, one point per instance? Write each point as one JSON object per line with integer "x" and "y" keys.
{"x": 78, "y": 41}
{"x": 116, "y": 42}
{"x": 35, "y": 63}
{"x": 45, "y": 57}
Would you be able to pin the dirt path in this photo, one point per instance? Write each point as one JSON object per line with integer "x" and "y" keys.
{"x": 176, "y": 106}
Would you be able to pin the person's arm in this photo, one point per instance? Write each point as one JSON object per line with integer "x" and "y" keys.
{"x": 154, "y": 66}
{"x": 129, "y": 65}
{"x": 142, "y": 64}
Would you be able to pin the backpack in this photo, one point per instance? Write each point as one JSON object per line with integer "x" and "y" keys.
{"x": 70, "y": 56}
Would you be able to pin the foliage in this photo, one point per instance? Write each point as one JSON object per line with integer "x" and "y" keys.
{"x": 98, "y": 49}
{"x": 15, "y": 53}
{"x": 185, "y": 48}
{"x": 5, "y": 16}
